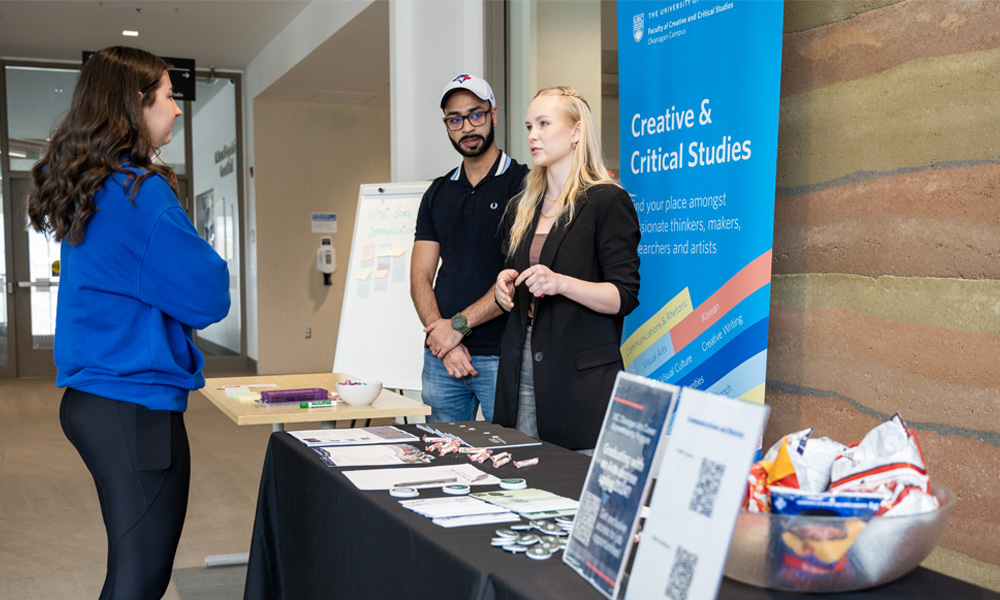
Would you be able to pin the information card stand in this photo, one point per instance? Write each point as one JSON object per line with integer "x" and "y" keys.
{"x": 701, "y": 483}
{"x": 618, "y": 480}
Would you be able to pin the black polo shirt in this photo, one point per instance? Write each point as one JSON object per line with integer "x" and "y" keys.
{"x": 465, "y": 221}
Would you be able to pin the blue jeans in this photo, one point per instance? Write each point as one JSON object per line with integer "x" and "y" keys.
{"x": 454, "y": 399}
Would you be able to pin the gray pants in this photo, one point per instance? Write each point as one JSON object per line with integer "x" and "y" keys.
{"x": 527, "y": 421}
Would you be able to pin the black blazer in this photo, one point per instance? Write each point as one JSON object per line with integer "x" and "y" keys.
{"x": 575, "y": 350}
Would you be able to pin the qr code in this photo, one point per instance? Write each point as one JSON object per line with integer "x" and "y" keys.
{"x": 586, "y": 517}
{"x": 681, "y": 574}
{"x": 707, "y": 488}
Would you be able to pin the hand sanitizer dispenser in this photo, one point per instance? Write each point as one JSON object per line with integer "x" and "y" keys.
{"x": 326, "y": 258}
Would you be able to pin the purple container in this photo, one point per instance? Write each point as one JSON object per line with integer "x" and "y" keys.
{"x": 297, "y": 395}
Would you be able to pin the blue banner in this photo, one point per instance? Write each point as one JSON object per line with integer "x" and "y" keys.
{"x": 699, "y": 89}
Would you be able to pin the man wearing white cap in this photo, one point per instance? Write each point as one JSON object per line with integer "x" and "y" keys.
{"x": 458, "y": 223}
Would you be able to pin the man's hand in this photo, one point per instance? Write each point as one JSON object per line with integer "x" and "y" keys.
{"x": 442, "y": 337}
{"x": 458, "y": 362}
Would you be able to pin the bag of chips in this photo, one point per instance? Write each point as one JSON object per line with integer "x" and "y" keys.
{"x": 887, "y": 460}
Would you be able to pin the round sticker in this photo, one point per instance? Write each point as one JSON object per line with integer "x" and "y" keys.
{"x": 513, "y": 484}
{"x": 404, "y": 492}
{"x": 456, "y": 489}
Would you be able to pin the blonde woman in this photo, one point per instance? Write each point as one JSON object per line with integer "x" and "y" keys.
{"x": 572, "y": 276}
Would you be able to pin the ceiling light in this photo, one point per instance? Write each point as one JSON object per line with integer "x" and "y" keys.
{"x": 17, "y": 154}
{"x": 130, "y": 33}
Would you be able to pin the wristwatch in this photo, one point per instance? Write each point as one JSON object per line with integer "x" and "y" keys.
{"x": 459, "y": 324}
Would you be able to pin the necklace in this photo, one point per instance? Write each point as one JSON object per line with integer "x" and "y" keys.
{"x": 541, "y": 212}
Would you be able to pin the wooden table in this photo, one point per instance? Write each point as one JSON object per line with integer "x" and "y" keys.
{"x": 387, "y": 405}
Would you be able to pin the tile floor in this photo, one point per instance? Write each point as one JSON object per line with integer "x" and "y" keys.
{"x": 52, "y": 540}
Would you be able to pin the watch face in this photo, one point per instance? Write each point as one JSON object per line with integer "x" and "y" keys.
{"x": 459, "y": 324}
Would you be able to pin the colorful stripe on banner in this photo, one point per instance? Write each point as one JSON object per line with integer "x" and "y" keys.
{"x": 655, "y": 332}
{"x": 744, "y": 379}
{"x": 729, "y": 356}
{"x": 661, "y": 362}
{"x": 750, "y": 278}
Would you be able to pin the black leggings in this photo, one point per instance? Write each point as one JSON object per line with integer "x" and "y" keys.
{"x": 141, "y": 464}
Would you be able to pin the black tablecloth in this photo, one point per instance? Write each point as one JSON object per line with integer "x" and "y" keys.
{"x": 317, "y": 536}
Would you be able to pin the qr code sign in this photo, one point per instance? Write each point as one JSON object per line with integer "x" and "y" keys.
{"x": 586, "y": 517}
{"x": 681, "y": 574}
{"x": 705, "y": 491}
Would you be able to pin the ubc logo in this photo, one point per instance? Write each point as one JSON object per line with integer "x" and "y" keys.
{"x": 638, "y": 26}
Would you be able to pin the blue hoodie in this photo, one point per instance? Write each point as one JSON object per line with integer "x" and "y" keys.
{"x": 130, "y": 294}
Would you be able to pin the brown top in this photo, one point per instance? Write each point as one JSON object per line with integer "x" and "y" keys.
{"x": 534, "y": 253}
{"x": 536, "y": 248}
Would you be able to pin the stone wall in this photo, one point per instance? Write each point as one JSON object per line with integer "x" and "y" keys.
{"x": 886, "y": 273}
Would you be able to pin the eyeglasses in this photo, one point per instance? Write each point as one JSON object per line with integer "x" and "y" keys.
{"x": 456, "y": 122}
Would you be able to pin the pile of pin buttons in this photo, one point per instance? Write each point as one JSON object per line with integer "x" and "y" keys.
{"x": 520, "y": 539}
{"x": 449, "y": 445}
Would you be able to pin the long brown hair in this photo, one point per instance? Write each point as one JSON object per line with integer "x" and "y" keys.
{"x": 586, "y": 169}
{"x": 103, "y": 128}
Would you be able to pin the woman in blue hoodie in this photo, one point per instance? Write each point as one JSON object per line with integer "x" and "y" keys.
{"x": 136, "y": 279}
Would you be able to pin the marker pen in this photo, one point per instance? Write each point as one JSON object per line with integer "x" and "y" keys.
{"x": 317, "y": 404}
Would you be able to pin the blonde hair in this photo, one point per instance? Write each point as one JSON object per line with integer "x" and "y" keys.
{"x": 586, "y": 169}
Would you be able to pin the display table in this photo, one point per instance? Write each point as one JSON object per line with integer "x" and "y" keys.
{"x": 317, "y": 536}
{"x": 387, "y": 405}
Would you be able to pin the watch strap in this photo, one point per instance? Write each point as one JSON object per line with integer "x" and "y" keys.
{"x": 459, "y": 324}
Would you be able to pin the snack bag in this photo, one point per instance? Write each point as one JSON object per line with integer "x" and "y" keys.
{"x": 796, "y": 461}
{"x": 758, "y": 496}
{"x": 822, "y": 526}
{"x": 900, "y": 500}
{"x": 886, "y": 459}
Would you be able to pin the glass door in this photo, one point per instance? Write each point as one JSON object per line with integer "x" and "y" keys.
{"x": 213, "y": 202}
{"x": 36, "y": 98}
{"x": 36, "y": 288}
{"x": 6, "y": 292}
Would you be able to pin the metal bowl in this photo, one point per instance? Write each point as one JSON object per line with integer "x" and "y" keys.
{"x": 832, "y": 554}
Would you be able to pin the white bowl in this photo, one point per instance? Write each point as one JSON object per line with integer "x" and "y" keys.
{"x": 886, "y": 549}
{"x": 359, "y": 395}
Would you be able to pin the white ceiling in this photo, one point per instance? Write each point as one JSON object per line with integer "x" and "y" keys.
{"x": 352, "y": 66}
{"x": 225, "y": 34}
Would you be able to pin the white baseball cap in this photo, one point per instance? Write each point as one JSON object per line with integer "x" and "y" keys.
{"x": 471, "y": 83}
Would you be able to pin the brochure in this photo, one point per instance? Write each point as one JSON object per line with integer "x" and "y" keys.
{"x": 419, "y": 477}
{"x": 371, "y": 455}
{"x": 453, "y": 506}
{"x": 480, "y": 434}
{"x": 348, "y": 437}
{"x": 530, "y": 503}
{"x": 460, "y": 511}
